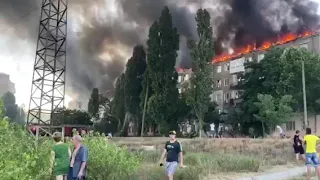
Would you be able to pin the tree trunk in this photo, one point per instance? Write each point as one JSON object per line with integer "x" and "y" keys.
{"x": 125, "y": 122}
{"x": 263, "y": 131}
{"x": 200, "y": 127}
{"x": 144, "y": 109}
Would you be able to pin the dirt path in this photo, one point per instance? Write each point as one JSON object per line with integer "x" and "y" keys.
{"x": 283, "y": 175}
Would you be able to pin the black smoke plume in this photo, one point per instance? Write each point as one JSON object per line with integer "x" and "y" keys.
{"x": 102, "y": 32}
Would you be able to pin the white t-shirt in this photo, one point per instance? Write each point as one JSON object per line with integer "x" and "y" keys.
{"x": 212, "y": 127}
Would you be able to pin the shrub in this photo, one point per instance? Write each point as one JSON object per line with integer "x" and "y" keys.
{"x": 237, "y": 163}
{"x": 108, "y": 161}
{"x": 20, "y": 158}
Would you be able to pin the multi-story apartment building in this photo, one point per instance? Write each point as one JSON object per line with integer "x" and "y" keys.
{"x": 229, "y": 73}
{"x": 184, "y": 76}
{"x": 6, "y": 85}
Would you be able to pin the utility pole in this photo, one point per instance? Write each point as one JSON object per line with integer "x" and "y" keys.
{"x": 305, "y": 114}
{"x": 144, "y": 108}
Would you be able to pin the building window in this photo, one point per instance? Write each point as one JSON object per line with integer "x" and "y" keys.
{"x": 218, "y": 83}
{"x": 226, "y": 97}
{"x": 227, "y": 67}
{"x": 260, "y": 57}
{"x": 305, "y": 45}
{"x": 226, "y": 82}
{"x": 219, "y": 69}
{"x": 218, "y": 98}
{"x": 291, "y": 126}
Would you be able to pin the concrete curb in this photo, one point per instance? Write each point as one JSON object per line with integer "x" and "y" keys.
{"x": 291, "y": 173}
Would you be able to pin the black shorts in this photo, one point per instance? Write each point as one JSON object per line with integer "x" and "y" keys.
{"x": 298, "y": 149}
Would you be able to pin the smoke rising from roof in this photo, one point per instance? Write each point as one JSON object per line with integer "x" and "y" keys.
{"x": 102, "y": 33}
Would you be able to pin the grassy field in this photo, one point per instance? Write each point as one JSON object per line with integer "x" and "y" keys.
{"x": 214, "y": 158}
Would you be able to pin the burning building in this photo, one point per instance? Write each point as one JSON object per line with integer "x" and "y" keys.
{"x": 184, "y": 76}
{"x": 230, "y": 67}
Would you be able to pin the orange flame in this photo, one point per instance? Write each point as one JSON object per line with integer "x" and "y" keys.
{"x": 265, "y": 45}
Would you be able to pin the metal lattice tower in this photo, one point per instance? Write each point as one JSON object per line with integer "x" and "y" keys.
{"x": 48, "y": 83}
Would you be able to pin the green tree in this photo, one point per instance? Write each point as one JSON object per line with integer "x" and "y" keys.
{"x": 72, "y": 116}
{"x": 279, "y": 74}
{"x": 146, "y": 91}
{"x": 9, "y": 101}
{"x": 202, "y": 53}
{"x": 2, "y": 109}
{"x": 94, "y": 102}
{"x": 272, "y": 111}
{"x": 118, "y": 102}
{"x": 136, "y": 67}
{"x": 163, "y": 44}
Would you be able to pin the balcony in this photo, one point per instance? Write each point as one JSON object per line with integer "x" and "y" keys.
{"x": 236, "y": 85}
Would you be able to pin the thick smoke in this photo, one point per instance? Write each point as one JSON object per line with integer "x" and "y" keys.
{"x": 102, "y": 32}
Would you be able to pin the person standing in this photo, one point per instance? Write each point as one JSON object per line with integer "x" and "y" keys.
{"x": 60, "y": 157}
{"x": 212, "y": 132}
{"x": 282, "y": 135}
{"x": 79, "y": 159}
{"x": 297, "y": 146}
{"x": 173, "y": 150}
{"x": 311, "y": 153}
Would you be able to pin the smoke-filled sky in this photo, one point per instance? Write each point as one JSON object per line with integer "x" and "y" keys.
{"x": 102, "y": 33}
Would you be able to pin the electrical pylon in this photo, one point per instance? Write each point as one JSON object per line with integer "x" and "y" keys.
{"x": 48, "y": 82}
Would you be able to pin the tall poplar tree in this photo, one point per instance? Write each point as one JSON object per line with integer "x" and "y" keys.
{"x": 136, "y": 67}
{"x": 201, "y": 53}
{"x": 163, "y": 44}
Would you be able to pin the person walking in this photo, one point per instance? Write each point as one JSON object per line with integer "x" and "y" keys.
{"x": 79, "y": 159}
{"x": 297, "y": 146}
{"x": 60, "y": 157}
{"x": 173, "y": 151}
{"x": 311, "y": 153}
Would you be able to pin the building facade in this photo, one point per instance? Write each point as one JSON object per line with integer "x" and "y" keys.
{"x": 6, "y": 85}
{"x": 230, "y": 73}
{"x": 184, "y": 76}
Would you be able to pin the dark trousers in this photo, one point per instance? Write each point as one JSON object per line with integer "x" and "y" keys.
{"x": 71, "y": 177}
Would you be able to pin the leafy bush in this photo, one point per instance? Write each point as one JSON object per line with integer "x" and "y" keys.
{"x": 108, "y": 161}
{"x": 21, "y": 158}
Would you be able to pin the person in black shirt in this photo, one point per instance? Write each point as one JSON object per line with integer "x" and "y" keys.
{"x": 297, "y": 146}
{"x": 173, "y": 150}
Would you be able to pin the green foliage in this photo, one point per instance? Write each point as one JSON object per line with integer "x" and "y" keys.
{"x": 108, "y": 161}
{"x": 273, "y": 111}
{"x": 20, "y": 157}
{"x": 2, "y": 109}
{"x": 76, "y": 117}
{"x": 94, "y": 102}
{"x": 9, "y": 101}
{"x": 163, "y": 44}
{"x": 136, "y": 67}
{"x": 71, "y": 116}
{"x": 107, "y": 121}
{"x": 118, "y": 102}
{"x": 202, "y": 77}
{"x": 280, "y": 74}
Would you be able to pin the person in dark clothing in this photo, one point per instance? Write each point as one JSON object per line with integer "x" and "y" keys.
{"x": 297, "y": 146}
{"x": 173, "y": 150}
